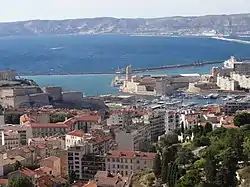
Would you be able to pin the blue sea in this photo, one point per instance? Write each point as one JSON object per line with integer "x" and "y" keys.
{"x": 63, "y": 54}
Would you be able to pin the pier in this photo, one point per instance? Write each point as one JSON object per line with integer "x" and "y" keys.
{"x": 138, "y": 70}
{"x": 232, "y": 40}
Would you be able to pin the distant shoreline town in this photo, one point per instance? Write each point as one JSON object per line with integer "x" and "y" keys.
{"x": 179, "y": 124}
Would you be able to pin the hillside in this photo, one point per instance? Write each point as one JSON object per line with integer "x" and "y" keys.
{"x": 224, "y": 24}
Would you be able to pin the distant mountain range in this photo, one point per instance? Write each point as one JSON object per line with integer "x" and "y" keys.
{"x": 223, "y": 24}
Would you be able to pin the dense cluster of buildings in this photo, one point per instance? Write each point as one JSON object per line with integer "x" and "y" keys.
{"x": 105, "y": 150}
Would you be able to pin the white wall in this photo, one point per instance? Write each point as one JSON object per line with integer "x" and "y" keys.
{"x": 125, "y": 141}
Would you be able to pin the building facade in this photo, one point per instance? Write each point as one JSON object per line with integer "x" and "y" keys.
{"x": 128, "y": 162}
{"x": 84, "y": 163}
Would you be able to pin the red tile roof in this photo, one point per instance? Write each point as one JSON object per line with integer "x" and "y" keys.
{"x": 131, "y": 154}
{"x": 4, "y": 181}
{"x": 90, "y": 185}
{"x": 48, "y": 125}
{"x": 84, "y": 118}
{"x": 78, "y": 133}
{"x": 44, "y": 181}
{"x": 27, "y": 172}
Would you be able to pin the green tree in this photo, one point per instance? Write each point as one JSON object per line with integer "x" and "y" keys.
{"x": 169, "y": 139}
{"x": 242, "y": 119}
{"x": 59, "y": 117}
{"x": 157, "y": 165}
{"x": 173, "y": 174}
{"x": 200, "y": 164}
{"x": 18, "y": 165}
{"x": 210, "y": 168}
{"x": 166, "y": 159}
{"x": 202, "y": 141}
{"x": 246, "y": 147}
{"x": 208, "y": 128}
{"x": 226, "y": 175}
{"x": 72, "y": 177}
{"x": 191, "y": 179}
{"x": 20, "y": 182}
{"x": 185, "y": 157}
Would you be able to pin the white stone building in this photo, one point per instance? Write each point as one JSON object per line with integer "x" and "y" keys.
{"x": 11, "y": 139}
{"x": 128, "y": 162}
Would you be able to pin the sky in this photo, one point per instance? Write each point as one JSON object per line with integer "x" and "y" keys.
{"x": 18, "y": 10}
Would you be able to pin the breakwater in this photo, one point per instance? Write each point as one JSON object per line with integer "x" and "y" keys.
{"x": 232, "y": 40}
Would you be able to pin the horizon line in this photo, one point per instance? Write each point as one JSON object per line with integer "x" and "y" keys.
{"x": 111, "y": 17}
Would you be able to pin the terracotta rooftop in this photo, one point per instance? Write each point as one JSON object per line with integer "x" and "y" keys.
{"x": 3, "y": 181}
{"x": 131, "y": 154}
{"x": 27, "y": 172}
{"x": 44, "y": 181}
{"x": 78, "y": 133}
{"x": 90, "y": 185}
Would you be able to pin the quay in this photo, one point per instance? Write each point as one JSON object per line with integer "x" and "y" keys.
{"x": 232, "y": 40}
{"x": 136, "y": 70}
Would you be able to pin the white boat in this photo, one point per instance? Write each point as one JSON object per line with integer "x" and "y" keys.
{"x": 213, "y": 96}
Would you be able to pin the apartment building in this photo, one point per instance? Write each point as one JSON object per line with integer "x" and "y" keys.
{"x": 156, "y": 122}
{"x": 190, "y": 118}
{"x": 48, "y": 129}
{"x": 132, "y": 138}
{"x": 11, "y": 139}
{"x": 231, "y": 107}
{"x": 54, "y": 163}
{"x": 96, "y": 141}
{"x": 84, "y": 163}
{"x": 84, "y": 122}
{"x": 50, "y": 142}
{"x": 24, "y": 131}
{"x": 105, "y": 178}
{"x": 128, "y": 162}
{"x": 172, "y": 121}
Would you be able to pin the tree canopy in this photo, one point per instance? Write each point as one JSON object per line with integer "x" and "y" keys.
{"x": 20, "y": 182}
{"x": 242, "y": 119}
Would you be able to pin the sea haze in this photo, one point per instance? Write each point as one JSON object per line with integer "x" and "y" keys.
{"x": 69, "y": 53}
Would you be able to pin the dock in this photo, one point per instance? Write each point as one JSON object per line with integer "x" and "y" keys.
{"x": 137, "y": 70}
{"x": 232, "y": 40}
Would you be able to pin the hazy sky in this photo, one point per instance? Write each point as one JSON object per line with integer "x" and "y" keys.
{"x": 13, "y": 10}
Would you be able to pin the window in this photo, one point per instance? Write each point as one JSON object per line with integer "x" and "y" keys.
{"x": 76, "y": 162}
{"x": 125, "y": 160}
{"x": 113, "y": 160}
{"x": 108, "y": 159}
{"x": 76, "y": 158}
{"x": 113, "y": 165}
{"x": 70, "y": 158}
{"x": 76, "y": 153}
{"x": 126, "y": 173}
{"x": 117, "y": 160}
{"x": 126, "y": 166}
{"x": 138, "y": 162}
{"x": 118, "y": 166}
{"x": 131, "y": 161}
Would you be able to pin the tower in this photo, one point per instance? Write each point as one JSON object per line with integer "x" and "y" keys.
{"x": 128, "y": 73}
